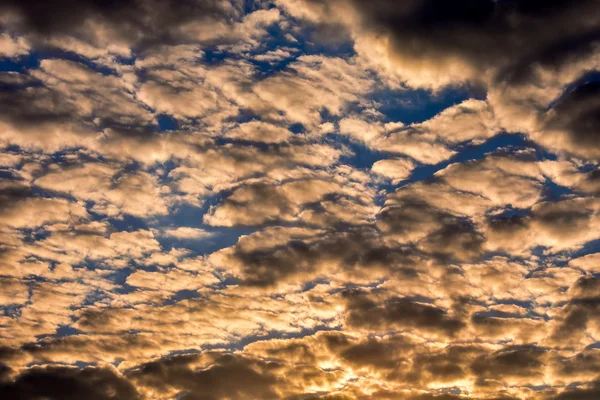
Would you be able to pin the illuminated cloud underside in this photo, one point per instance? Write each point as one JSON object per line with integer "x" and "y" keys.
{"x": 300, "y": 199}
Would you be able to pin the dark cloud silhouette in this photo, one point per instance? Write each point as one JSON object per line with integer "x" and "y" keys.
{"x": 580, "y": 393}
{"x": 577, "y": 116}
{"x": 226, "y": 376}
{"x": 139, "y": 21}
{"x": 517, "y": 361}
{"x": 379, "y": 354}
{"x": 364, "y": 312}
{"x": 60, "y": 383}
{"x": 357, "y": 252}
{"x": 582, "y": 309}
{"x": 487, "y": 34}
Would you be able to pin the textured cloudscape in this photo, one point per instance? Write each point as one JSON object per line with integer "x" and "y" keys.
{"x": 300, "y": 199}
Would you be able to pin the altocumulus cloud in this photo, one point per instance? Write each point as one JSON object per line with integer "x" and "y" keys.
{"x": 300, "y": 199}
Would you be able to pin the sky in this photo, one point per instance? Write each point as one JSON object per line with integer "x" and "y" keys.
{"x": 299, "y": 200}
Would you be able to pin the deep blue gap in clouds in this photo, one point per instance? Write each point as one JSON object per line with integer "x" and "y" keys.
{"x": 418, "y": 105}
{"x": 304, "y": 46}
{"x": 33, "y": 59}
{"x": 167, "y": 123}
{"x": 470, "y": 152}
{"x": 191, "y": 216}
{"x": 363, "y": 157}
{"x": 408, "y": 107}
{"x": 19, "y": 64}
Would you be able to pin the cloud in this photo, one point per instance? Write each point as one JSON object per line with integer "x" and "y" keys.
{"x": 255, "y": 378}
{"x": 396, "y": 138}
{"x": 113, "y": 193}
{"x": 132, "y": 22}
{"x": 184, "y": 232}
{"x": 494, "y": 179}
{"x": 69, "y": 383}
{"x": 260, "y": 203}
{"x": 572, "y": 122}
{"x": 589, "y": 263}
{"x": 563, "y": 225}
{"x": 12, "y": 47}
{"x": 299, "y": 199}
{"x": 14, "y": 292}
{"x": 367, "y": 314}
{"x": 431, "y": 44}
{"x": 259, "y": 132}
{"x": 171, "y": 281}
{"x": 311, "y": 84}
{"x": 20, "y": 209}
{"x": 396, "y": 170}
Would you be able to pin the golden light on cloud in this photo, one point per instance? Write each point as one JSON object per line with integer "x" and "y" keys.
{"x": 299, "y": 200}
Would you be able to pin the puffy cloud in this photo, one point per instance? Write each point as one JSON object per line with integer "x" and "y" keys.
{"x": 13, "y": 292}
{"x": 572, "y": 123}
{"x": 184, "y": 232}
{"x": 365, "y": 313}
{"x": 12, "y": 47}
{"x": 259, "y": 132}
{"x": 21, "y": 209}
{"x": 171, "y": 281}
{"x": 563, "y": 225}
{"x": 219, "y": 200}
{"x": 260, "y": 203}
{"x": 314, "y": 83}
{"x": 396, "y": 170}
{"x": 113, "y": 193}
{"x": 589, "y": 263}
{"x": 396, "y": 138}
{"x": 431, "y": 43}
{"x": 494, "y": 179}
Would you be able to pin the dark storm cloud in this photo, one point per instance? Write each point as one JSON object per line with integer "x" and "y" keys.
{"x": 226, "y": 376}
{"x": 368, "y": 313}
{"x": 357, "y": 252}
{"x": 58, "y": 383}
{"x": 33, "y": 106}
{"x": 582, "y": 309}
{"x": 459, "y": 240}
{"x": 376, "y": 353}
{"x": 442, "y": 235}
{"x": 586, "y": 362}
{"x": 510, "y": 36}
{"x": 591, "y": 391}
{"x": 136, "y": 20}
{"x": 577, "y": 115}
{"x": 12, "y": 192}
{"x": 523, "y": 361}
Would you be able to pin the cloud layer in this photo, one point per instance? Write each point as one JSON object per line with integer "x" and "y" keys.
{"x": 299, "y": 199}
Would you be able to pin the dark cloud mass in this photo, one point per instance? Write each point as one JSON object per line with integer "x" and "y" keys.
{"x": 578, "y": 114}
{"x": 511, "y": 36}
{"x": 139, "y": 22}
{"x": 69, "y": 383}
{"x": 299, "y": 199}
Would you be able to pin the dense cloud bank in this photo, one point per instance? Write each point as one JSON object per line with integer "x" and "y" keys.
{"x": 300, "y": 199}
